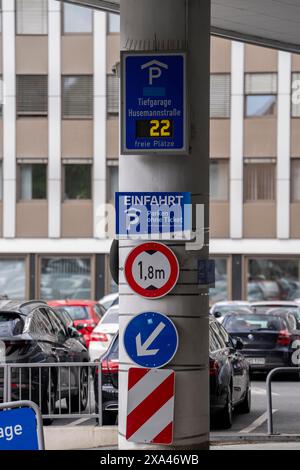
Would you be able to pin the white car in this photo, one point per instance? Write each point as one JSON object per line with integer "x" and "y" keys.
{"x": 109, "y": 300}
{"x": 220, "y": 309}
{"x": 104, "y": 332}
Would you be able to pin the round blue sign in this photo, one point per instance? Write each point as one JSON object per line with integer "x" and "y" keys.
{"x": 151, "y": 339}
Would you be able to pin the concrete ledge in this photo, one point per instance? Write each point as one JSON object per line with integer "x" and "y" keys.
{"x": 238, "y": 438}
{"x": 80, "y": 437}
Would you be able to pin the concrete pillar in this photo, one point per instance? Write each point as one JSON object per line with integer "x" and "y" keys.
{"x": 184, "y": 25}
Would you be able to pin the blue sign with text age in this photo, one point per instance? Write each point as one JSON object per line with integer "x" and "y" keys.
{"x": 18, "y": 429}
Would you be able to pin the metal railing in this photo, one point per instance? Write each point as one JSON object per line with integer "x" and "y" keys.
{"x": 269, "y": 392}
{"x": 61, "y": 390}
{"x": 3, "y": 383}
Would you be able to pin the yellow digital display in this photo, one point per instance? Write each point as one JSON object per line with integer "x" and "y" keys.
{"x": 154, "y": 128}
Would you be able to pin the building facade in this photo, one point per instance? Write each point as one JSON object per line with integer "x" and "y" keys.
{"x": 59, "y": 150}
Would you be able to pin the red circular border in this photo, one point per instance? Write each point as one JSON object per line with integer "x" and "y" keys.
{"x": 174, "y": 274}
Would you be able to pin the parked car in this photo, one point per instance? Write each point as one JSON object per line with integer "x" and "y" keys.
{"x": 220, "y": 309}
{"x": 280, "y": 306}
{"x": 268, "y": 338}
{"x": 33, "y": 333}
{"x": 104, "y": 332}
{"x": 109, "y": 300}
{"x": 230, "y": 386}
{"x": 85, "y": 314}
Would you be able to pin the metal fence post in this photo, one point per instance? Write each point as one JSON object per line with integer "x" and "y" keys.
{"x": 100, "y": 413}
{"x": 5, "y": 383}
{"x": 269, "y": 392}
{"x": 8, "y": 382}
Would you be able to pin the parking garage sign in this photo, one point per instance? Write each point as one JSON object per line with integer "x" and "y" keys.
{"x": 153, "y": 216}
{"x": 154, "y": 114}
{"x": 19, "y": 429}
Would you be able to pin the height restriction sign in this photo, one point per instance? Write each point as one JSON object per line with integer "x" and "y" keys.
{"x": 151, "y": 270}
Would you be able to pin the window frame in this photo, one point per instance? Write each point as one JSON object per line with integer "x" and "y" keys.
{"x": 19, "y": 196}
{"x": 63, "y": 182}
{"x": 291, "y": 111}
{"x": 247, "y": 161}
{"x": 225, "y": 161}
{"x": 292, "y": 199}
{"x": 107, "y": 24}
{"x": 64, "y": 117}
{"x": 268, "y": 116}
{"x": 74, "y": 33}
{"x": 28, "y": 34}
{"x": 35, "y": 114}
{"x": 224, "y": 74}
{"x": 53, "y": 256}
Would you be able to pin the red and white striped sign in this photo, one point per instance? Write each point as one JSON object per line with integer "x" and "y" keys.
{"x": 150, "y": 406}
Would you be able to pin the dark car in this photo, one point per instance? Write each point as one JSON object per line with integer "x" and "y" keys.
{"x": 230, "y": 387}
{"x": 33, "y": 333}
{"x": 229, "y": 378}
{"x": 268, "y": 338}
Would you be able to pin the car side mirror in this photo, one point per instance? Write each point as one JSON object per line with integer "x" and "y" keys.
{"x": 217, "y": 314}
{"x": 238, "y": 344}
{"x": 73, "y": 333}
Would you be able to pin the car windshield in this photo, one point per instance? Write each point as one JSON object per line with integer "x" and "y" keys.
{"x": 11, "y": 324}
{"x": 76, "y": 312}
{"x": 111, "y": 316}
{"x": 252, "y": 322}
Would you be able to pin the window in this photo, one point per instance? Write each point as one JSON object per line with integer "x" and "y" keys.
{"x": 220, "y": 86}
{"x": 77, "y": 96}
{"x": 295, "y": 94}
{"x": 78, "y": 181}
{"x": 219, "y": 292}
{"x": 219, "y": 180}
{"x": 1, "y": 180}
{"x": 57, "y": 326}
{"x": 1, "y": 90}
{"x": 77, "y": 19}
{"x": 0, "y": 16}
{"x": 13, "y": 278}
{"x": 33, "y": 181}
{"x": 270, "y": 279}
{"x": 32, "y": 95}
{"x": 65, "y": 278}
{"x": 261, "y": 94}
{"x": 259, "y": 180}
{"x": 113, "y": 23}
{"x": 113, "y": 183}
{"x": 112, "y": 94}
{"x": 295, "y": 180}
{"x": 32, "y": 16}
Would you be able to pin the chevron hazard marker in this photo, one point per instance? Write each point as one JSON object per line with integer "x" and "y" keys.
{"x": 150, "y": 406}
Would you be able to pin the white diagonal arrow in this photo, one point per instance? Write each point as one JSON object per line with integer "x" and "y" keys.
{"x": 142, "y": 349}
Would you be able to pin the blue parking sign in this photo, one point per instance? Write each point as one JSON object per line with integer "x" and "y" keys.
{"x": 154, "y": 109}
{"x": 18, "y": 429}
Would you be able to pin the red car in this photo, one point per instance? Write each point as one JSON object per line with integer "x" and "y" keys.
{"x": 85, "y": 314}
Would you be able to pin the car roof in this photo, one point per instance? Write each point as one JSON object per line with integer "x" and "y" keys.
{"x": 231, "y": 302}
{"x": 275, "y": 303}
{"x": 22, "y": 307}
{"x": 72, "y": 303}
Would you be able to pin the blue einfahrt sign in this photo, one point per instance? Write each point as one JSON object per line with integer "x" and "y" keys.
{"x": 153, "y": 216}
{"x": 154, "y": 115}
{"x": 151, "y": 339}
{"x": 18, "y": 429}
